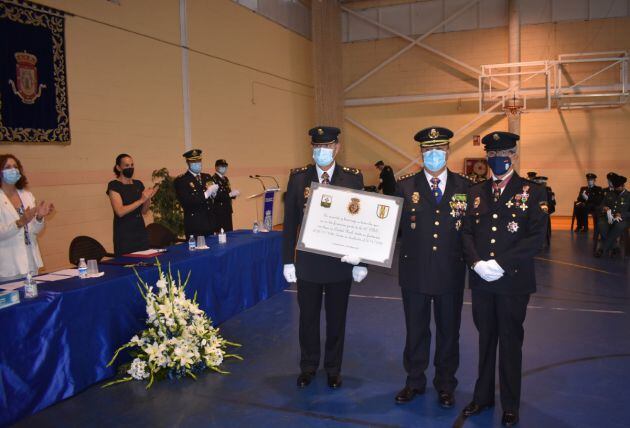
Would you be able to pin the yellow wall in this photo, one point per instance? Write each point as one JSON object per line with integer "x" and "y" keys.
{"x": 251, "y": 100}
{"x": 561, "y": 145}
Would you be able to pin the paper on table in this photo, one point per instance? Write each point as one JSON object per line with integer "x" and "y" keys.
{"x": 51, "y": 277}
{"x": 66, "y": 272}
{"x": 148, "y": 252}
{"x": 12, "y": 285}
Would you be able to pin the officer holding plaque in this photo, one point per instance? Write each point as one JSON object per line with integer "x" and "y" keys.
{"x": 432, "y": 268}
{"x": 315, "y": 273}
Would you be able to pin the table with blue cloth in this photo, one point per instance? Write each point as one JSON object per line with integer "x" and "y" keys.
{"x": 58, "y": 344}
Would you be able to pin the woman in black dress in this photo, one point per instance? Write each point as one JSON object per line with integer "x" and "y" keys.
{"x": 130, "y": 200}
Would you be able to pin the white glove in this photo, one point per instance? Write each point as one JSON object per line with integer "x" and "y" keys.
{"x": 353, "y": 260}
{"x": 211, "y": 191}
{"x": 610, "y": 216}
{"x": 495, "y": 267}
{"x": 584, "y": 195}
{"x": 234, "y": 193}
{"x": 486, "y": 272}
{"x": 359, "y": 273}
{"x": 289, "y": 273}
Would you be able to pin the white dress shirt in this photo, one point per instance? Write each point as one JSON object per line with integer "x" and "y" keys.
{"x": 330, "y": 172}
{"x": 442, "y": 177}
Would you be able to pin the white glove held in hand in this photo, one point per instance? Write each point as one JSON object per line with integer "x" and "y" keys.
{"x": 495, "y": 267}
{"x": 234, "y": 193}
{"x": 486, "y": 272}
{"x": 289, "y": 273}
{"x": 211, "y": 191}
{"x": 353, "y": 260}
{"x": 610, "y": 216}
{"x": 359, "y": 273}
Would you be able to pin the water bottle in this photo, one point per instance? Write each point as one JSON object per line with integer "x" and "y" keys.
{"x": 255, "y": 229}
{"x": 222, "y": 237}
{"x": 192, "y": 244}
{"x": 30, "y": 287}
{"x": 82, "y": 268}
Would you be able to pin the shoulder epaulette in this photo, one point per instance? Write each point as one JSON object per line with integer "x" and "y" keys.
{"x": 301, "y": 169}
{"x": 461, "y": 174}
{"x": 406, "y": 176}
{"x": 354, "y": 171}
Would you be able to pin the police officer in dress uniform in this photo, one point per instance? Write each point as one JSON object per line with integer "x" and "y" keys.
{"x": 551, "y": 203}
{"x": 314, "y": 273}
{"x": 587, "y": 201}
{"x": 431, "y": 266}
{"x": 195, "y": 191}
{"x": 223, "y": 199}
{"x": 614, "y": 215}
{"x": 387, "y": 181}
{"x": 504, "y": 229}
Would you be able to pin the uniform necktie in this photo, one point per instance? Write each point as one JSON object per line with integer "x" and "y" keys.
{"x": 325, "y": 178}
{"x": 198, "y": 177}
{"x": 496, "y": 189}
{"x": 435, "y": 188}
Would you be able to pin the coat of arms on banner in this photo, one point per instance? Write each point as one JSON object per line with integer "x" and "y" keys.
{"x": 354, "y": 206}
{"x": 33, "y": 89}
{"x": 382, "y": 211}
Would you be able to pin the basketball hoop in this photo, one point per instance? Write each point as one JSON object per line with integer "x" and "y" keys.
{"x": 513, "y": 107}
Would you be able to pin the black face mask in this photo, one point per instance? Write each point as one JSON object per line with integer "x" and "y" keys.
{"x": 127, "y": 172}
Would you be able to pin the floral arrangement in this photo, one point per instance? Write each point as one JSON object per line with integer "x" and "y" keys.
{"x": 179, "y": 339}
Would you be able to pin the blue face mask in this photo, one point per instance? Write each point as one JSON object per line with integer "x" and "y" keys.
{"x": 499, "y": 164}
{"x": 323, "y": 156}
{"x": 11, "y": 175}
{"x": 222, "y": 170}
{"x": 434, "y": 160}
{"x": 195, "y": 167}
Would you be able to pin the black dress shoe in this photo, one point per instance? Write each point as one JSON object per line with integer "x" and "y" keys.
{"x": 446, "y": 399}
{"x": 334, "y": 381}
{"x": 509, "y": 419}
{"x": 304, "y": 379}
{"x": 407, "y": 394}
{"x": 474, "y": 408}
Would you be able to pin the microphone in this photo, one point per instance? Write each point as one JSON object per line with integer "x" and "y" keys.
{"x": 257, "y": 177}
{"x": 272, "y": 177}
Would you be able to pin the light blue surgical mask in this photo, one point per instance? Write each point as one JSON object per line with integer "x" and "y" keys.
{"x": 195, "y": 167}
{"x": 222, "y": 170}
{"x": 434, "y": 160}
{"x": 11, "y": 175}
{"x": 323, "y": 156}
{"x": 499, "y": 164}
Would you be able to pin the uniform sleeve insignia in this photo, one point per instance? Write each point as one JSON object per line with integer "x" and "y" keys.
{"x": 544, "y": 207}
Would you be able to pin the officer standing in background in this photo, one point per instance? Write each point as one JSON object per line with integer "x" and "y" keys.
{"x": 223, "y": 199}
{"x": 588, "y": 199}
{"x": 195, "y": 191}
{"x": 431, "y": 267}
{"x": 504, "y": 229}
{"x": 387, "y": 181}
{"x": 551, "y": 203}
{"x": 614, "y": 215}
{"x": 314, "y": 273}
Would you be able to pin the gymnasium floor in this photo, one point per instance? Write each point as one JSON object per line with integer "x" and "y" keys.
{"x": 576, "y": 363}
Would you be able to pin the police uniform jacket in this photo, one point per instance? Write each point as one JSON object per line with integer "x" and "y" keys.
{"x": 222, "y": 200}
{"x": 198, "y": 211}
{"x": 619, "y": 203}
{"x": 313, "y": 267}
{"x": 594, "y": 196}
{"x": 388, "y": 181}
{"x": 511, "y": 231}
{"x": 551, "y": 200}
{"x": 431, "y": 257}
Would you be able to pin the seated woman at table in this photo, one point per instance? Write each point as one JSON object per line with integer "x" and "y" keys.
{"x": 21, "y": 220}
{"x": 130, "y": 200}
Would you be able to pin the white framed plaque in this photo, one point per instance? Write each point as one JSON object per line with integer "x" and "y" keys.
{"x": 339, "y": 221}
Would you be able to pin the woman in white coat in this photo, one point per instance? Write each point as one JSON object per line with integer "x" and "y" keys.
{"x": 21, "y": 219}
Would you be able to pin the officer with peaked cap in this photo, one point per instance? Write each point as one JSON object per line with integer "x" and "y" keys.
{"x": 195, "y": 191}
{"x": 504, "y": 229}
{"x": 614, "y": 215}
{"x": 318, "y": 274}
{"x": 432, "y": 271}
{"x": 223, "y": 200}
{"x": 587, "y": 201}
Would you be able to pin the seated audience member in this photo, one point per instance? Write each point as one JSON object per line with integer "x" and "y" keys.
{"x": 588, "y": 199}
{"x": 614, "y": 216}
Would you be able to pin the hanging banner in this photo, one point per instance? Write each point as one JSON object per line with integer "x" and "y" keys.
{"x": 33, "y": 90}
